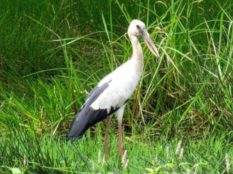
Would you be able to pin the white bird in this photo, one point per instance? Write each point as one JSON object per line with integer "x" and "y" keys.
{"x": 113, "y": 91}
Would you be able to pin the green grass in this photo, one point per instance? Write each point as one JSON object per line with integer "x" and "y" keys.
{"x": 55, "y": 155}
{"x": 51, "y": 55}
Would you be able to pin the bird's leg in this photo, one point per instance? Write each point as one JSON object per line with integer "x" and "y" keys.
{"x": 120, "y": 143}
{"x": 106, "y": 138}
{"x": 122, "y": 152}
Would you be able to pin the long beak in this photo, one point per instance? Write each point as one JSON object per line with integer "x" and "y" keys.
{"x": 150, "y": 44}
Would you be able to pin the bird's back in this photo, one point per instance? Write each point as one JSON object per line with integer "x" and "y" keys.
{"x": 107, "y": 97}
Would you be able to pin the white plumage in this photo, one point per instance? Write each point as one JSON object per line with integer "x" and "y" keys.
{"x": 113, "y": 91}
{"x": 123, "y": 82}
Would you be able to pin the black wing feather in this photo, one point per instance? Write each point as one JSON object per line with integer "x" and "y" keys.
{"x": 87, "y": 116}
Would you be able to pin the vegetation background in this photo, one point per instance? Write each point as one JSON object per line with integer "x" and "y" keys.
{"x": 179, "y": 120}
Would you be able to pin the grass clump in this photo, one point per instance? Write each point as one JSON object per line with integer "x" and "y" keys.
{"x": 51, "y": 58}
{"x": 33, "y": 154}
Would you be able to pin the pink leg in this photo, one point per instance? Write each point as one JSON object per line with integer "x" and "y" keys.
{"x": 106, "y": 139}
{"x": 121, "y": 150}
{"x": 120, "y": 143}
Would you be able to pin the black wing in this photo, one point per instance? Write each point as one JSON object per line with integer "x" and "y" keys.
{"x": 87, "y": 116}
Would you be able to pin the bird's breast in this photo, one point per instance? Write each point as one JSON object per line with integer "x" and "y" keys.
{"x": 123, "y": 82}
{"x": 126, "y": 83}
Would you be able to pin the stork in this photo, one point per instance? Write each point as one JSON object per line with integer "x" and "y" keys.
{"x": 113, "y": 91}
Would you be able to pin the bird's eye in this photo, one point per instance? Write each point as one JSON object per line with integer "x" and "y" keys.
{"x": 138, "y": 27}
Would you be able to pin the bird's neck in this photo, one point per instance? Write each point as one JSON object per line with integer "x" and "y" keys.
{"x": 137, "y": 49}
{"x": 137, "y": 55}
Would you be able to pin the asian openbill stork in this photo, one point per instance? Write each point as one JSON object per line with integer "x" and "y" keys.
{"x": 112, "y": 92}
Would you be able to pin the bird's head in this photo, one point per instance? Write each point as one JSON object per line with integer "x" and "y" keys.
{"x": 138, "y": 29}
